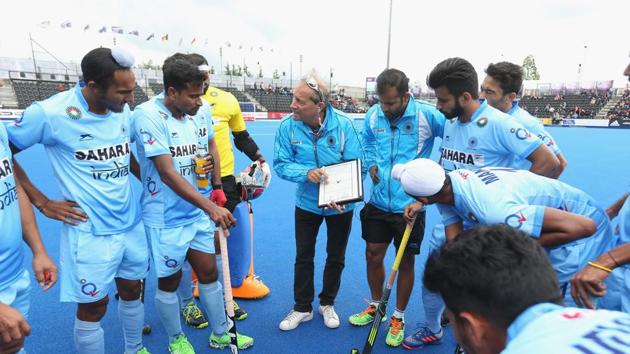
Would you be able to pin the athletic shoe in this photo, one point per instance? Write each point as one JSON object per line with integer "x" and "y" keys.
{"x": 459, "y": 350}
{"x": 364, "y": 317}
{"x": 239, "y": 313}
{"x": 294, "y": 318}
{"x": 424, "y": 336}
{"x": 395, "y": 332}
{"x": 180, "y": 345}
{"x": 193, "y": 316}
{"x": 242, "y": 341}
{"x": 331, "y": 320}
{"x": 144, "y": 350}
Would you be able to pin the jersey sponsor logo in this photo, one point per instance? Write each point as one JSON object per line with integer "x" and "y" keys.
{"x": 186, "y": 169}
{"x": 73, "y": 112}
{"x": 119, "y": 170}
{"x": 296, "y": 142}
{"x": 183, "y": 150}
{"x": 457, "y": 156}
{"x": 8, "y": 192}
{"x": 203, "y": 132}
{"x": 103, "y": 153}
{"x": 482, "y": 122}
{"x": 5, "y": 169}
{"x": 521, "y": 133}
{"x": 151, "y": 187}
{"x": 546, "y": 139}
{"x": 379, "y": 130}
{"x": 88, "y": 288}
{"x": 170, "y": 263}
{"x": 147, "y": 138}
{"x": 605, "y": 338}
{"x": 515, "y": 220}
{"x": 463, "y": 174}
{"x": 86, "y": 137}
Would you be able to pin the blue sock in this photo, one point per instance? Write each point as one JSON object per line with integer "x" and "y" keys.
{"x": 185, "y": 289}
{"x": 89, "y": 337}
{"x": 433, "y": 308}
{"x": 211, "y": 296}
{"x": 167, "y": 306}
{"x": 131, "y": 315}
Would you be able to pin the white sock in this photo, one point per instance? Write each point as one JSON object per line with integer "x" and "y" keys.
{"x": 185, "y": 289}
{"x": 89, "y": 337}
{"x": 433, "y": 308}
{"x": 131, "y": 315}
{"x": 399, "y": 314}
{"x": 211, "y": 297}
{"x": 167, "y": 306}
{"x": 374, "y": 303}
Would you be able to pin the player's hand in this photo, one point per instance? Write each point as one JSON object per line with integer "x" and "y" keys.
{"x": 222, "y": 217}
{"x": 374, "y": 175}
{"x": 45, "y": 271}
{"x": 64, "y": 210}
{"x": 208, "y": 166}
{"x": 411, "y": 211}
{"x": 317, "y": 175}
{"x": 218, "y": 197}
{"x": 265, "y": 175}
{"x": 586, "y": 283}
{"x": 13, "y": 329}
{"x": 332, "y": 205}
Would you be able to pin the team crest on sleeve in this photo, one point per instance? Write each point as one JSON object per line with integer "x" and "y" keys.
{"x": 482, "y": 122}
{"x": 515, "y": 220}
{"x": 147, "y": 138}
{"x": 521, "y": 133}
{"x": 73, "y": 112}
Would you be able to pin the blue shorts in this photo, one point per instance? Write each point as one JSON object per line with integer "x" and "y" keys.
{"x": 89, "y": 263}
{"x": 18, "y": 294}
{"x": 169, "y": 246}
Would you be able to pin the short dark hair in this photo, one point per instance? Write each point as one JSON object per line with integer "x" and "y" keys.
{"x": 495, "y": 271}
{"x": 509, "y": 76}
{"x": 197, "y": 59}
{"x": 99, "y": 65}
{"x": 176, "y": 56}
{"x": 180, "y": 73}
{"x": 457, "y": 74}
{"x": 392, "y": 77}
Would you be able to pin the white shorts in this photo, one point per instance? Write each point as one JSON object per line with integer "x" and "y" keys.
{"x": 89, "y": 263}
{"x": 169, "y": 246}
{"x": 18, "y": 294}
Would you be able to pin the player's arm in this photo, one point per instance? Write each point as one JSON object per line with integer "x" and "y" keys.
{"x": 13, "y": 329}
{"x": 62, "y": 210}
{"x": 43, "y": 267}
{"x": 135, "y": 167}
{"x": 563, "y": 163}
{"x": 590, "y": 280}
{"x": 451, "y": 231}
{"x": 613, "y": 210}
{"x": 560, "y": 227}
{"x": 246, "y": 144}
{"x": 544, "y": 162}
{"x": 283, "y": 160}
{"x": 369, "y": 146}
{"x": 170, "y": 177}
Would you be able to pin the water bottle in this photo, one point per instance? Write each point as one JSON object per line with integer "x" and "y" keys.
{"x": 201, "y": 176}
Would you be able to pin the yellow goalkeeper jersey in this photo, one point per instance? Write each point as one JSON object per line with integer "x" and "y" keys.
{"x": 227, "y": 115}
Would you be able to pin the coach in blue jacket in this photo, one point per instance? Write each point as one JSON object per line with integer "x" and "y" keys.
{"x": 398, "y": 129}
{"x": 315, "y": 135}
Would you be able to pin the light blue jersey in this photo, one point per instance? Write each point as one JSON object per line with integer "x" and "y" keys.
{"x": 162, "y": 134}
{"x": 550, "y": 329}
{"x": 389, "y": 142}
{"x": 205, "y": 132}
{"x": 298, "y": 149}
{"x": 491, "y": 138}
{"x": 11, "y": 250}
{"x": 518, "y": 198}
{"x": 533, "y": 125}
{"x": 89, "y": 154}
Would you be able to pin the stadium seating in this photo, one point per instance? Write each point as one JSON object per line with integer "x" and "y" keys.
{"x": 273, "y": 102}
{"x": 545, "y": 106}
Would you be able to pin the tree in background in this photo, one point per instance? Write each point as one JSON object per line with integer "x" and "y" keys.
{"x": 530, "y": 69}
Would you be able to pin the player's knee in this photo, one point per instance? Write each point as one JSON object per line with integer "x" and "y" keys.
{"x": 374, "y": 256}
{"x": 208, "y": 276}
{"x": 93, "y": 311}
{"x": 407, "y": 262}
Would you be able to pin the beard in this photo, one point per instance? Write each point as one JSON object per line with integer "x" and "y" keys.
{"x": 455, "y": 112}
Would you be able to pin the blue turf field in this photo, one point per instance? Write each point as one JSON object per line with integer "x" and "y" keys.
{"x": 599, "y": 163}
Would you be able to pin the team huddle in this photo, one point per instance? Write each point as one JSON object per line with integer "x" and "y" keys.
{"x": 498, "y": 165}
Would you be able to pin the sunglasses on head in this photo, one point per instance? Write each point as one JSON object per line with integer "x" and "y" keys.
{"x": 312, "y": 83}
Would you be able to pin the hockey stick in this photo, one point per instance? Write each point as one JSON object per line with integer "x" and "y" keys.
{"x": 227, "y": 292}
{"x": 382, "y": 304}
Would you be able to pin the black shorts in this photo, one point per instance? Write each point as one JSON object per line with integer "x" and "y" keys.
{"x": 381, "y": 227}
{"x": 232, "y": 192}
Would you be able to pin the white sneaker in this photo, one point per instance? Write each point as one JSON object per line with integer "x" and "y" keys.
{"x": 331, "y": 320}
{"x": 294, "y": 318}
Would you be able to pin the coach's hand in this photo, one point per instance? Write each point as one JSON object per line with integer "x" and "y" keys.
{"x": 222, "y": 217}
{"x": 586, "y": 283}
{"x": 374, "y": 175}
{"x": 316, "y": 175}
{"x": 13, "y": 329}
{"x": 411, "y": 210}
{"x": 64, "y": 210}
{"x": 45, "y": 270}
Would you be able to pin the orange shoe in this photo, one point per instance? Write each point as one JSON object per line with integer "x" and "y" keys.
{"x": 252, "y": 288}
